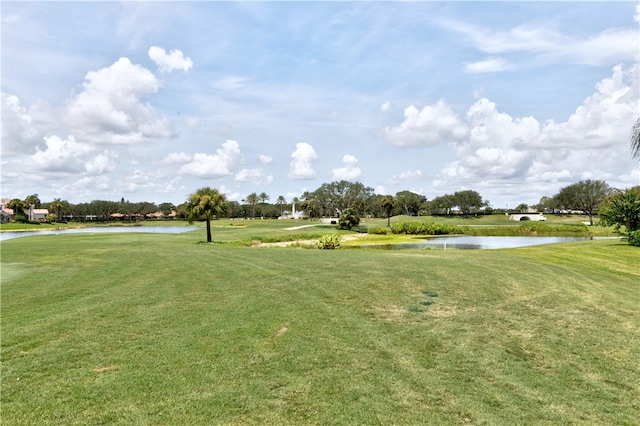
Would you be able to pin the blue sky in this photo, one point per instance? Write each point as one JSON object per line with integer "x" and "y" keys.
{"x": 152, "y": 100}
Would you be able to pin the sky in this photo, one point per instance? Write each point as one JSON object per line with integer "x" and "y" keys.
{"x": 149, "y": 101}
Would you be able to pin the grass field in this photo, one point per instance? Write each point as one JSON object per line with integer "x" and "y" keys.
{"x": 164, "y": 330}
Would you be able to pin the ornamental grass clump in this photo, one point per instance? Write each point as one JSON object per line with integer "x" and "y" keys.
{"x": 329, "y": 242}
{"x": 377, "y": 230}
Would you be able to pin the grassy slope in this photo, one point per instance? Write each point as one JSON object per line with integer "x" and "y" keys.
{"x": 159, "y": 329}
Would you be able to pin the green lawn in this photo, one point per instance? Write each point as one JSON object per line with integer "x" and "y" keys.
{"x": 164, "y": 330}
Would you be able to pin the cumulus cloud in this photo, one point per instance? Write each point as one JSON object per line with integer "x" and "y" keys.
{"x": 349, "y": 172}
{"x": 223, "y": 163}
{"x": 501, "y": 149}
{"x": 23, "y": 129}
{"x": 110, "y": 109}
{"x": 488, "y": 65}
{"x": 255, "y": 176}
{"x": 432, "y": 125}
{"x": 265, "y": 159}
{"x": 385, "y": 107}
{"x": 69, "y": 156}
{"x": 407, "y": 176}
{"x": 302, "y": 165}
{"x": 177, "y": 158}
{"x": 167, "y": 62}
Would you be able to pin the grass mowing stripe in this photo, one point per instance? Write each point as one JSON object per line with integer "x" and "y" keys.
{"x": 155, "y": 329}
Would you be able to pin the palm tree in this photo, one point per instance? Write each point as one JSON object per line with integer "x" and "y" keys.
{"x": 281, "y": 201}
{"x": 208, "y": 203}
{"x": 635, "y": 140}
{"x": 264, "y": 197}
{"x": 57, "y": 206}
{"x": 387, "y": 205}
{"x": 17, "y": 205}
{"x": 252, "y": 199}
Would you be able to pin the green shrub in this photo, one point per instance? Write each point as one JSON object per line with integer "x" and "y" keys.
{"x": 427, "y": 228}
{"x": 634, "y": 238}
{"x": 378, "y": 230}
{"x": 348, "y": 219}
{"x": 20, "y": 219}
{"x": 329, "y": 242}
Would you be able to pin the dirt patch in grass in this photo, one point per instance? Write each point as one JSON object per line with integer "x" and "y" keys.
{"x": 104, "y": 368}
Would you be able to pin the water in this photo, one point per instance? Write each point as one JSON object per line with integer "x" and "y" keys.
{"x": 101, "y": 230}
{"x": 470, "y": 243}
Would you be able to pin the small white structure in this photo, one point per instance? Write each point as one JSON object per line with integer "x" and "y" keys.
{"x": 522, "y": 217}
{"x": 293, "y": 214}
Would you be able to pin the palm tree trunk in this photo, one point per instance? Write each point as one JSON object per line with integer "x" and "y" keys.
{"x": 208, "y": 230}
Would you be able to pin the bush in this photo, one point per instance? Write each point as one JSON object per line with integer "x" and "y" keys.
{"x": 634, "y": 238}
{"x": 348, "y": 219}
{"x": 19, "y": 218}
{"x": 378, "y": 230}
{"x": 427, "y": 228}
{"x": 329, "y": 242}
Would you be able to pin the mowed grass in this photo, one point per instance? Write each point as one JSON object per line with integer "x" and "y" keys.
{"x": 164, "y": 330}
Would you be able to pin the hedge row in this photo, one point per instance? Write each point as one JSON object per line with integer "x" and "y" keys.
{"x": 426, "y": 228}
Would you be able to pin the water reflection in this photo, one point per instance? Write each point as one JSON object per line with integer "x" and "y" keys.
{"x": 101, "y": 230}
{"x": 471, "y": 242}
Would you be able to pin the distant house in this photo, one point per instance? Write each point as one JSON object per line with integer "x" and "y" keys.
{"x": 6, "y": 215}
{"x": 522, "y": 217}
{"x": 37, "y": 214}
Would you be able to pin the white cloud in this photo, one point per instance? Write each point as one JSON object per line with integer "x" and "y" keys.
{"x": 265, "y": 159}
{"x": 550, "y": 44}
{"x": 434, "y": 125}
{"x": 177, "y": 158}
{"x": 502, "y": 150}
{"x": 349, "y": 172}
{"x": 636, "y": 17}
{"x": 230, "y": 83}
{"x": 488, "y": 65}
{"x": 255, "y": 176}
{"x": 302, "y": 165}
{"x": 174, "y": 60}
{"x": 406, "y": 177}
{"x": 223, "y": 163}
{"x": 22, "y": 129}
{"x": 66, "y": 156}
{"x": 110, "y": 110}
{"x": 385, "y": 107}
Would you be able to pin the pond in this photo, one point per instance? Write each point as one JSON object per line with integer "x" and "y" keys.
{"x": 472, "y": 242}
{"x": 101, "y": 230}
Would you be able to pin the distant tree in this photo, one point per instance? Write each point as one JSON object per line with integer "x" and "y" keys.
{"x": 635, "y": 140}
{"x": 468, "y": 201}
{"x": 585, "y": 195}
{"x": 349, "y": 219}
{"x": 409, "y": 202}
{"x": 442, "y": 204}
{"x": 622, "y": 209}
{"x": 57, "y": 206}
{"x": 387, "y": 204}
{"x": 337, "y": 196}
{"x": 17, "y": 205}
{"x": 206, "y": 203}
{"x": 252, "y": 200}
{"x": 32, "y": 200}
{"x": 281, "y": 202}
{"x": 166, "y": 208}
{"x": 264, "y": 197}
{"x": 522, "y": 208}
{"x": 547, "y": 204}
